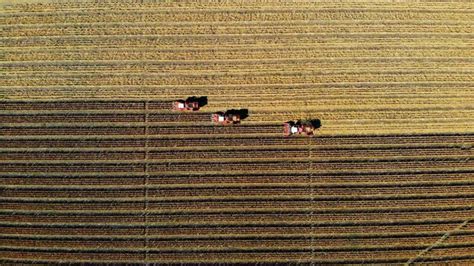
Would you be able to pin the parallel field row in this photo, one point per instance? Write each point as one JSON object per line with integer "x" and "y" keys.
{"x": 78, "y": 186}
{"x": 95, "y": 167}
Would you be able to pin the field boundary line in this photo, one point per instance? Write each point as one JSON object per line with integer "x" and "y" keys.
{"x": 146, "y": 180}
{"x": 310, "y": 158}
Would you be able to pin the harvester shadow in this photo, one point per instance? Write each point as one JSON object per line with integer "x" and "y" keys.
{"x": 316, "y": 123}
{"x": 202, "y": 100}
{"x": 243, "y": 113}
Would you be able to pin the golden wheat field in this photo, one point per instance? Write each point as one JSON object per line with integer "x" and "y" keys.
{"x": 96, "y": 167}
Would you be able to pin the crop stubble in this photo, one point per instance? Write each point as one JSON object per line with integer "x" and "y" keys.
{"x": 94, "y": 166}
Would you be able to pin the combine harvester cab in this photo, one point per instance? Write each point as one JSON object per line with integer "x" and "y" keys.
{"x": 226, "y": 118}
{"x": 289, "y": 128}
{"x": 190, "y": 104}
{"x": 298, "y": 128}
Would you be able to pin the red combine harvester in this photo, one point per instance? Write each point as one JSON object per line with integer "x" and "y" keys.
{"x": 190, "y": 104}
{"x": 298, "y": 128}
{"x": 226, "y": 118}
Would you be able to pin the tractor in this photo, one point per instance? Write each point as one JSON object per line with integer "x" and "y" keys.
{"x": 298, "y": 128}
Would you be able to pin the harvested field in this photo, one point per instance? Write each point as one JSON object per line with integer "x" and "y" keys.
{"x": 95, "y": 167}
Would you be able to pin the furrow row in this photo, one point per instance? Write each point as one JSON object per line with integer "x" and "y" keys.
{"x": 455, "y": 255}
{"x": 231, "y": 91}
{"x": 207, "y": 15}
{"x": 229, "y": 207}
{"x": 177, "y": 167}
{"x": 205, "y": 219}
{"x": 107, "y": 30}
{"x": 154, "y": 119}
{"x": 238, "y": 39}
{"x": 209, "y": 245}
{"x": 49, "y": 7}
{"x": 78, "y": 229}
{"x": 253, "y": 65}
{"x": 270, "y": 129}
{"x": 207, "y": 180}
{"x": 203, "y": 196}
{"x": 400, "y": 103}
{"x": 248, "y": 153}
{"x": 215, "y": 78}
{"x": 252, "y": 52}
{"x": 461, "y": 139}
